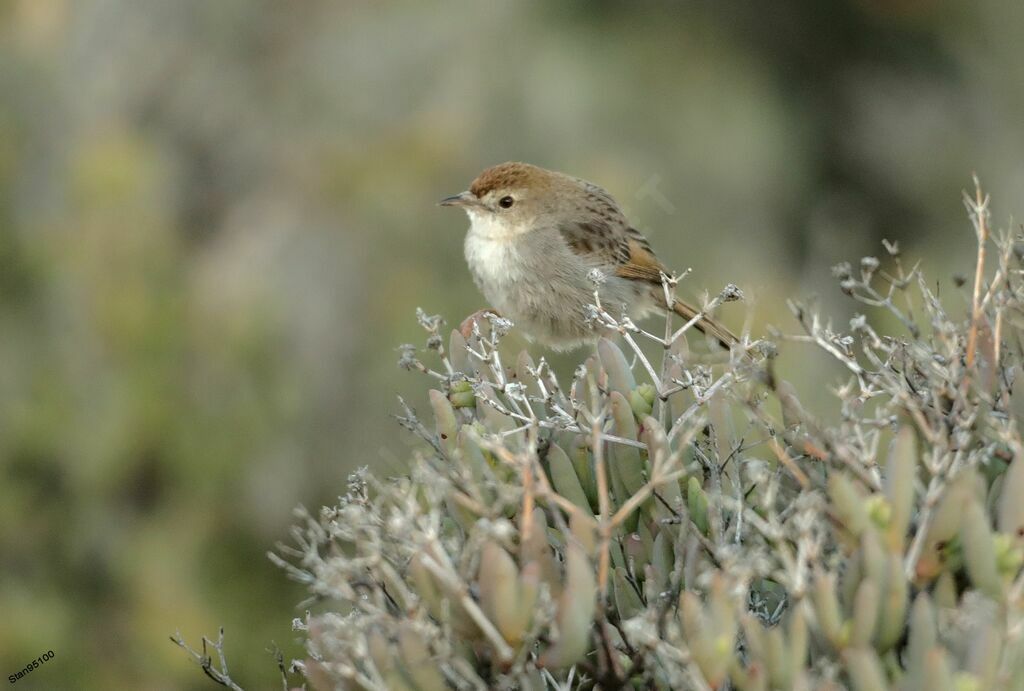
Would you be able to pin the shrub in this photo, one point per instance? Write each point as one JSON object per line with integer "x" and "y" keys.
{"x": 684, "y": 522}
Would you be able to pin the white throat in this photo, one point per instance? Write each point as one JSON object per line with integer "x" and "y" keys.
{"x": 489, "y": 226}
{"x": 496, "y": 259}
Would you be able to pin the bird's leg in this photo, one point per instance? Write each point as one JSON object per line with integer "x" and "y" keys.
{"x": 466, "y": 327}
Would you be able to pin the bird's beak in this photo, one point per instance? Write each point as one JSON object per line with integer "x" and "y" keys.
{"x": 460, "y": 199}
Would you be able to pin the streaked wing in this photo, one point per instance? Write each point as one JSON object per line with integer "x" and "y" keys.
{"x": 642, "y": 265}
{"x": 607, "y": 240}
{"x": 598, "y": 242}
{"x": 622, "y": 250}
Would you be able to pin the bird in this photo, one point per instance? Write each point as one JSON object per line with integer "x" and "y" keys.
{"x": 540, "y": 242}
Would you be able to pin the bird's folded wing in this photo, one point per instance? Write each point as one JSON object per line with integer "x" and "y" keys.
{"x": 628, "y": 254}
{"x": 613, "y": 244}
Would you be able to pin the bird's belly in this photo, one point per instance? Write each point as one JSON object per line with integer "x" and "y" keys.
{"x": 546, "y": 308}
{"x": 547, "y": 297}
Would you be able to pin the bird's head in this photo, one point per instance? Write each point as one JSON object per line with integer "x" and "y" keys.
{"x": 511, "y": 197}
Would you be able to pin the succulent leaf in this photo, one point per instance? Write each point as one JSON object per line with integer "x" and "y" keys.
{"x": 576, "y": 607}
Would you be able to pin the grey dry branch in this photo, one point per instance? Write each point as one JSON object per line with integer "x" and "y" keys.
{"x": 205, "y": 660}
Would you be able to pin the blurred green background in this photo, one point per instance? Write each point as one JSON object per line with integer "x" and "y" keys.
{"x": 218, "y": 217}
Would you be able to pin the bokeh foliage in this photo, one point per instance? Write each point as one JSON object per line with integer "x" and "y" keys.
{"x": 213, "y": 215}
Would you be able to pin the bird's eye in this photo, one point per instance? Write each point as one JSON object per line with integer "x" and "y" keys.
{"x": 505, "y": 202}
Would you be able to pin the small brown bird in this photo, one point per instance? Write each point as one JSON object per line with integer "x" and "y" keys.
{"x": 534, "y": 241}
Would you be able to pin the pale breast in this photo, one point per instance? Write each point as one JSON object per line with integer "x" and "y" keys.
{"x": 497, "y": 267}
{"x": 537, "y": 281}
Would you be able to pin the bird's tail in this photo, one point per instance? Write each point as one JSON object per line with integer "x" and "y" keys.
{"x": 707, "y": 325}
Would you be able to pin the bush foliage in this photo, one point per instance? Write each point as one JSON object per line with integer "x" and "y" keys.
{"x": 682, "y": 521}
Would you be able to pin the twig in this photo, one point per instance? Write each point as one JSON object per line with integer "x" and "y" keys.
{"x": 205, "y": 661}
{"x": 978, "y": 208}
{"x": 790, "y": 464}
{"x": 604, "y": 508}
